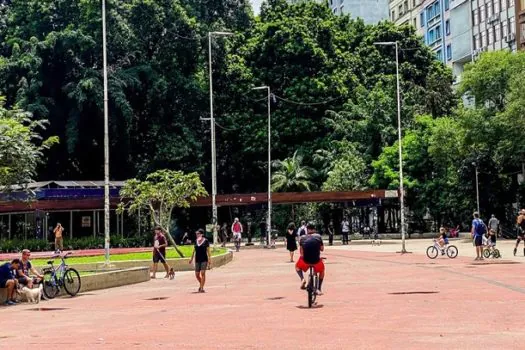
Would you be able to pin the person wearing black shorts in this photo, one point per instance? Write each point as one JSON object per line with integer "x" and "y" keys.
{"x": 159, "y": 252}
{"x": 520, "y": 223}
{"x": 478, "y": 231}
{"x": 202, "y": 256}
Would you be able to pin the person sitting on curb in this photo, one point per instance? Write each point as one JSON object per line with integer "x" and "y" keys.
{"x": 8, "y": 280}
{"x": 25, "y": 268}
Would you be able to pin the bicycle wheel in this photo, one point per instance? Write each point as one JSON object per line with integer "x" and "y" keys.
{"x": 486, "y": 253}
{"x": 71, "y": 281}
{"x": 497, "y": 254}
{"x": 50, "y": 287}
{"x": 432, "y": 252}
{"x": 452, "y": 251}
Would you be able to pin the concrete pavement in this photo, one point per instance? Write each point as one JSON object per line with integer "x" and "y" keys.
{"x": 374, "y": 299}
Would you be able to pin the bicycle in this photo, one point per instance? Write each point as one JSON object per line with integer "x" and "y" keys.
{"x": 433, "y": 250}
{"x": 491, "y": 251}
{"x": 61, "y": 276}
{"x": 312, "y": 285}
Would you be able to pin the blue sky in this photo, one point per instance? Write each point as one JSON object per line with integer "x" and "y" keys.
{"x": 256, "y": 4}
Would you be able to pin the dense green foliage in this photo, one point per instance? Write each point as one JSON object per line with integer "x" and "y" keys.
{"x": 334, "y": 98}
{"x": 21, "y": 146}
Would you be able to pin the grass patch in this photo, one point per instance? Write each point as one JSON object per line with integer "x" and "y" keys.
{"x": 170, "y": 254}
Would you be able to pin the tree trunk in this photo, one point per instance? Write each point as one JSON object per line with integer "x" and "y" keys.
{"x": 172, "y": 241}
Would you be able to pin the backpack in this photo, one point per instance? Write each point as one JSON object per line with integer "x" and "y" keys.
{"x": 480, "y": 228}
{"x": 302, "y": 232}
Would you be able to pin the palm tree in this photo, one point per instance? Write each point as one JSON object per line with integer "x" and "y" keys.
{"x": 292, "y": 176}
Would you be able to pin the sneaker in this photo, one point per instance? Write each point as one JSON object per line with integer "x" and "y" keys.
{"x": 515, "y": 250}
{"x": 15, "y": 301}
{"x": 303, "y": 284}
{"x": 9, "y": 303}
{"x": 319, "y": 292}
{"x": 477, "y": 258}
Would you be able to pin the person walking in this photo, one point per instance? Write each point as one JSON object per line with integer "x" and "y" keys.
{"x": 520, "y": 227}
{"x": 291, "y": 240}
{"x": 159, "y": 252}
{"x": 477, "y": 232}
{"x": 59, "y": 240}
{"x": 237, "y": 233}
{"x": 224, "y": 234}
{"x": 202, "y": 256}
{"x": 331, "y": 233}
{"x": 345, "y": 229}
{"x": 494, "y": 224}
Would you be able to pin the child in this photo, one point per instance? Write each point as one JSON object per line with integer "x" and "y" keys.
{"x": 443, "y": 240}
{"x": 492, "y": 238}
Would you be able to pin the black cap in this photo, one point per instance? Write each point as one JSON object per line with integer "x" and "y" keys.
{"x": 201, "y": 231}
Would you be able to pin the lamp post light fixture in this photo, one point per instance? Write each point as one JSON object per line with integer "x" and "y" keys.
{"x": 213, "y": 148}
{"x": 477, "y": 186}
{"x": 106, "y": 137}
{"x": 399, "y": 135}
{"x": 269, "y": 218}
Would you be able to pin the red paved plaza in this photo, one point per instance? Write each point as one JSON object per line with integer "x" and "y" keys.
{"x": 373, "y": 300}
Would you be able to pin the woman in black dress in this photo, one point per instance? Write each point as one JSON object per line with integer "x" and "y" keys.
{"x": 291, "y": 243}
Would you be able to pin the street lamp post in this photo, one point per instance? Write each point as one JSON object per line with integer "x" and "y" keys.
{"x": 477, "y": 186}
{"x": 399, "y": 135}
{"x": 213, "y": 149}
{"x": 106, "y": 138}
{"x": 269, "y": 218}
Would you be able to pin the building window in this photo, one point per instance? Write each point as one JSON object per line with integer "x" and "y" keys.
{"x": 447, "y": 4}
{"x": 393, "y": 15}
{"x": 497, "y": 7}
{"x": 497, "y": 32}
{"x": 474, "y": 42}
{"x": 400, "y": 10}
{"x": 447, "y": 27}
{"x": 438, "y": 32}
{"x": 439, "y": 55}
{"x": 482, "y": 13}
{"x": 484, "y": 38}
{"x": 405, "y": 5}
{"x": 449, "y": 52}
{"x": 413, "y": 3}
{"x": 490, "y": 32}
{"x": 504, "y": 29}
{"x": 490, "y": 9}
{"x": 475, "y": 17}
{"x": 503, "y": 4}
{"x": 415, "y": 23}
{"x": 512, "y": 28}
{"x": 422, "y": 19}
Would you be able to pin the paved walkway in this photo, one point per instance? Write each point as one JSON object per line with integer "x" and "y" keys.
{"x": 374, "y": 299}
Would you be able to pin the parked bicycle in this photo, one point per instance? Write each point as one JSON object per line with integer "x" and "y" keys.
{"x": 61, "y": 276}
{"x": 312, "y": 286}
{"x": 450, "y": 250}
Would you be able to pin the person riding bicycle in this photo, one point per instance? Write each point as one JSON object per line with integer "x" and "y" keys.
{"x": 442, "y": 239}
{"x": 311, "y": 246}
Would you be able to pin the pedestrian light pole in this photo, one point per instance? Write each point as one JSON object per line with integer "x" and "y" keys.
{"x": 269, "y": 218}
{"x": 477, "y": 186}
{"x": 212, "y": 128}
{"x": 399, "y": 135}
{"x": 106, "y": 138}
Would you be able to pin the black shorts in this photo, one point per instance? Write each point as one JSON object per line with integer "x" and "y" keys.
{"x": 478, "y": 241}
{"x": 157, "y": 257}
{"x": 201, "y": 266}
{"x": 3, "y": 283}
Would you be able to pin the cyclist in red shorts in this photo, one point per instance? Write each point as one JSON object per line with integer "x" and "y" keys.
{"x": 311, "y": 246}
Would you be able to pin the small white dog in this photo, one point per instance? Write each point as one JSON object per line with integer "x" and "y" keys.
{"x": 31, "y": 295}
{"x": 376, "y": 241}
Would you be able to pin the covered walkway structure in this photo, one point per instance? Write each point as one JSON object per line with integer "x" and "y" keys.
{"x": 78, "y": 205}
